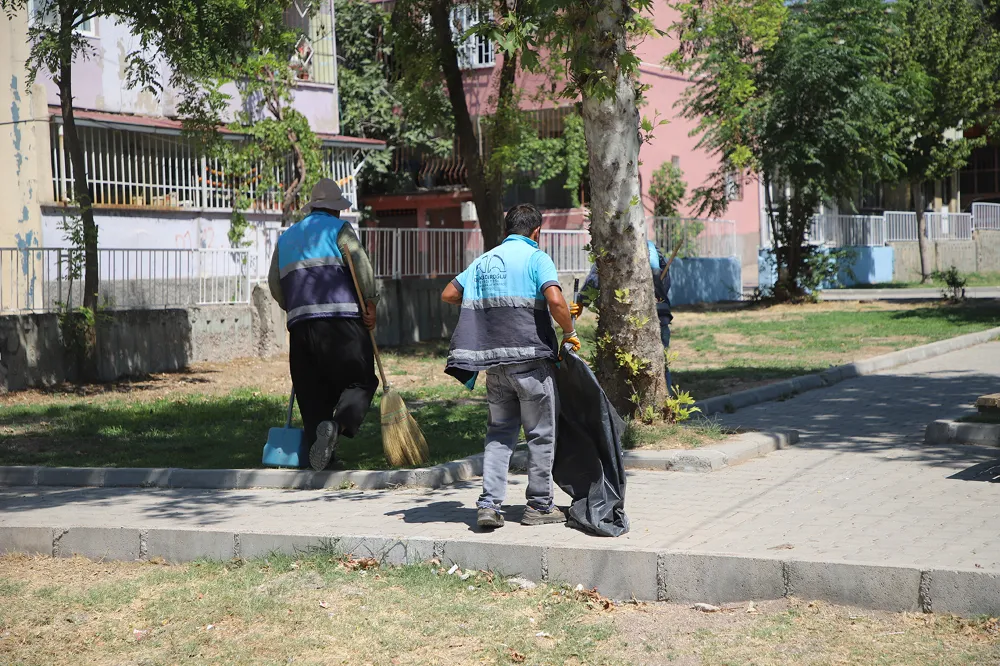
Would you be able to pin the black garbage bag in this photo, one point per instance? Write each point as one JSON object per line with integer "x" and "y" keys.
{"x": 589, "y": 465}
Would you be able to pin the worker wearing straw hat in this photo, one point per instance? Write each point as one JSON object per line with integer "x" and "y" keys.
{"x": 330, "y": 351}
{"x": 509, "y": 296}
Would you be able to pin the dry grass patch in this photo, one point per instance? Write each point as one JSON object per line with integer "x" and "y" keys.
{"x": 792, "y": 632}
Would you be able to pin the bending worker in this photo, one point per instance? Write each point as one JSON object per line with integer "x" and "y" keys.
{"x": 330, "y": 352}
{"x": 661, "y": 289}
{"x": 509, "y": 296}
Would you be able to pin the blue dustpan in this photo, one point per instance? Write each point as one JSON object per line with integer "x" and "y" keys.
{"x": 286, "y": 447}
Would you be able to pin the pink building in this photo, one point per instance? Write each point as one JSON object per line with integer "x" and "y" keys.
{"x": 439, "y": 188}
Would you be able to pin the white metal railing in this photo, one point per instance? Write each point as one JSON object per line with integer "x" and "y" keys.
{"x": 696, "y": 237}
{"x": 900, "y": 225}
{"x": 848, "y": 230}
{"x": 986, "y": 216}
{"x": 46, "y": 279}
{"x": 132, "y": 169}
{"x": 949, "y": 226}
{"x": 402, "y": 253}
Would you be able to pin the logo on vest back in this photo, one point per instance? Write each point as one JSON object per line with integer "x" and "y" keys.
{"x": 491, "y": 272}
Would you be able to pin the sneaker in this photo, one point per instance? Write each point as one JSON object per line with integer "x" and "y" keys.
{"x": 322, "y": 449}
{"x": 489, "y": 518}
{"x": 533, "y": 516}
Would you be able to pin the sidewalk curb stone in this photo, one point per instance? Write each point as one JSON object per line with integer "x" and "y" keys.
{"x": 746, "y": 446}
{"x": 945, "y": 431}
{"x": 645, "y": 575}
{"x": 789, "y": 387}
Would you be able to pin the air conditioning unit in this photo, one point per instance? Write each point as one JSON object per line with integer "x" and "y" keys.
{"x": 469, "y": 213}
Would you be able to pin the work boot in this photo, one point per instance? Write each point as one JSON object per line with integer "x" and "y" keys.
{"x": 533, "y": 516}
{"x": 489, "y": 518}
{"x": 322, "y": 449}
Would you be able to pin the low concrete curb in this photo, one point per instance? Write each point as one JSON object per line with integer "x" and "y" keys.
{"x": 736, "y": 450}
{"x": 645, "y": 575}
{"x": 959, "y": 432}
{"x": 746, "y": 446}
{"x": 789, "y": 387}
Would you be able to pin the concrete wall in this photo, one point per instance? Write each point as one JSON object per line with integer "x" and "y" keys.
{"x": 871, "y": 265}
{"x": 411, "y": 311}
{"x": 979, "y": 255}
{"x": 24, "y": 143}
{"x": 705, "y": 280}
{"x": 135, "y": 342}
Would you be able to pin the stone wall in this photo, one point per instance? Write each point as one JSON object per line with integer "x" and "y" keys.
{"x": 135, "y": 342}
{"x": 979, "y": 255}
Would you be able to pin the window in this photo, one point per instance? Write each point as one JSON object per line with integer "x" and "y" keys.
{"x": 734, "y": 187}
{"x": 313, "y": 58}
{"x": 475, "y": 51}
{"x": 45, "y": 11}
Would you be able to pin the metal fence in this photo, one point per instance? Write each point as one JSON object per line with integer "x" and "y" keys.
{"x": 949, "y": 226}
{"x": 848, "y": 230}
{"x": 900, "y": 225}
{"x": 696, "y": 237}
{"x": 986, "y": 216}
{"x": 402, "y": 253}
{"x": 131, "y": 168}
{"x": 47, "y": 279}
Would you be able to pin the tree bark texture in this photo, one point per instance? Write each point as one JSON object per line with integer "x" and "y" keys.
{"x": 488, "y": 200}
{"x": 923, "y": 242}
{"x": 81, "y": 186}
{"x": 627, "y": 322}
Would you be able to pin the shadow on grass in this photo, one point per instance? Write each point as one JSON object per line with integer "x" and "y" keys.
{"x": 205, "y": 432}
{"x": 985, "y": 312}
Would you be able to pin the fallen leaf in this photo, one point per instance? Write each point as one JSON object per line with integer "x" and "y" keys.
{"x": 515, "y": 656}
{"x": 784, "y": 546}
{"x": 139, "y": 634}
{"x": 706, "y": 608}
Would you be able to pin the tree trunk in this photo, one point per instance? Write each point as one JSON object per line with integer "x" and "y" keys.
{"x": 923, "y": 242}
{"x": 488, "y": 201}
{"x": 627, "y": 323}
{"x": 81, "y": 187}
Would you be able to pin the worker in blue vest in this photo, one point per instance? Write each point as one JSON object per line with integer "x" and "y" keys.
{"x": 661, "y": 290}
{"x": 330, "y": 351}
{"x": 509, "y": 297}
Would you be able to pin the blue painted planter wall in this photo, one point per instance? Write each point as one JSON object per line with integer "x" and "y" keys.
{"x": 872, "y": 265}
{"x": 705, "y": 280}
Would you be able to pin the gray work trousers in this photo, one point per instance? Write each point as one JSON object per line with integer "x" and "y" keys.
{"x": 520, "y": 395}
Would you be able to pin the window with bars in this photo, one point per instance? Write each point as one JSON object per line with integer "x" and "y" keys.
{"x": 135, "y": 169}
{"x": 45, "y": 11}
{"x": 315, "y": 56}
{"x": 475, "y": 51}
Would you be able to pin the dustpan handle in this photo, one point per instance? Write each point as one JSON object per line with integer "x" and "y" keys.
{"x": 291, "y": 405}
{"x": 363, "y": 307}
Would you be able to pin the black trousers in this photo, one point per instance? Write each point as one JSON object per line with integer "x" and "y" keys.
{"x": 333, "y": 371}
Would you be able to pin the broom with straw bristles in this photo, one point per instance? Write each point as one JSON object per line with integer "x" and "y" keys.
{"x": 402, "y": 440}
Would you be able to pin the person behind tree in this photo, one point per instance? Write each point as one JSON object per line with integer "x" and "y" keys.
{"x": 661, "y": 289}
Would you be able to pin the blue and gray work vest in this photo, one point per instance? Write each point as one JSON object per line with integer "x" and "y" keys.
{"x": 315, "y": 279}
{"x": 505, "y": 318}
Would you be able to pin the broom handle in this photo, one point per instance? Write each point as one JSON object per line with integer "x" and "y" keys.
{"x": 291, "y": 404}
{"x": 364, "y": 308}
{"x": 666, "y": 268}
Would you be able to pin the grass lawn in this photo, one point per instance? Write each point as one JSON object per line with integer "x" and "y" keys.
{"x": 217, "y": 415}
{"x": 322, "y": 609}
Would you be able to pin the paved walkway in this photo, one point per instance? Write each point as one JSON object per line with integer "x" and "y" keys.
{"x": 915, "y": 294}
{"x": 860, "y": 488}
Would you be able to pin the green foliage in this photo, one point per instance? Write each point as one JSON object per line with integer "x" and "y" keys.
{"x": 667, "y": 190}
{"x": 823, "y": 266}
{"x": 954, "y": 282}
{"x": 811, "y": 98}
{"x": 679, "y": 407}
{"x": 951, "y": 60}
{"x": 375, "y": 103}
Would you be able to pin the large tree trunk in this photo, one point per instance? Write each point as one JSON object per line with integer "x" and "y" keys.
{"x": 630, "y": 360}
{"x": 923, "y": 242}
{"x": 487, "y": 199}
{"x": 81, "y": 187}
